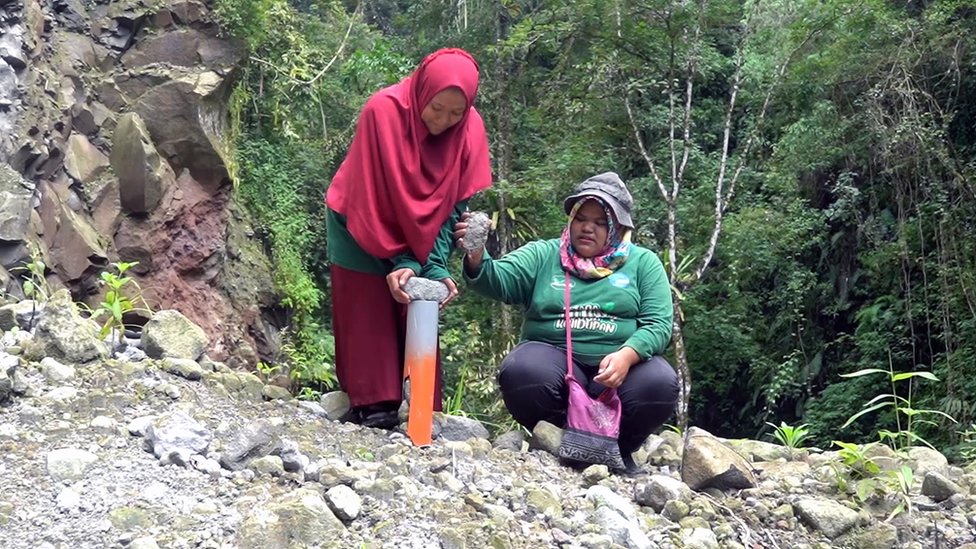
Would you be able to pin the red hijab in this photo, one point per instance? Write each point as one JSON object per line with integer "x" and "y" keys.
{"x": 398, "y": 184}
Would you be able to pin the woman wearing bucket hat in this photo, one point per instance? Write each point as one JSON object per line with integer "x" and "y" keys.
{"x": 617, "y": 300}
{"x": 420, "y": 151}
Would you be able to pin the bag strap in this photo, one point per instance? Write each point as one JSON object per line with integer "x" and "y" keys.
{"x": 569, "y": 338}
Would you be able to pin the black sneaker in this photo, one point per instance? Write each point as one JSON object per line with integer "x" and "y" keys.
{"x": 631, "y": 469}
{"x": 382, "y": 415}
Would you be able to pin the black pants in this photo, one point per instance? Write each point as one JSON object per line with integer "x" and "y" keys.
{"x": 533, "y": 385}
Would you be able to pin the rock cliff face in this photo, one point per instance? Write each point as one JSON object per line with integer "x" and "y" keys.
{"x": 112, "y": 148}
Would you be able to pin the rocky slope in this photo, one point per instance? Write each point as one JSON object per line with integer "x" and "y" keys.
{"x": 145, "y": 442}
{"x": 113, "y": 116}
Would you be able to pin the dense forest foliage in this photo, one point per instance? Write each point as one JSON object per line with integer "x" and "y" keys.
{"x": 804, "y": 167}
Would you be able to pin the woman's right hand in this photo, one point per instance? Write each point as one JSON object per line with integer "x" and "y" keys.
{"x": 396, "y": 280}
{"x": 461, "y": 229}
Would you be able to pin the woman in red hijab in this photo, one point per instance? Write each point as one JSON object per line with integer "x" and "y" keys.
{"x": 419, "y": 153}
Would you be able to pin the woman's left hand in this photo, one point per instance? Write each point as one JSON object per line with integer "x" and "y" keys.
{"x": 452, "y": 291}
{"x": 615, "y": 366}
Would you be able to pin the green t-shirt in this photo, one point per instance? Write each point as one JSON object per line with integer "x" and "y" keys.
{"x": 632, "y": 307}
{"x": 345, "y": 252}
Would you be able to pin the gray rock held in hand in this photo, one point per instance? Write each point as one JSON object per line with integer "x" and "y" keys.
{"x": 424, "y": 289}
{"x": 478, "y": 227}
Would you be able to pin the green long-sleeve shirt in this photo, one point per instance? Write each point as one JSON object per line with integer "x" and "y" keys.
{"x": 345, "y": 252}
{"x": 632, "y": 307}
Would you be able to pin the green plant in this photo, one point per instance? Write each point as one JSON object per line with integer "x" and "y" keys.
{"x": 36, "y": 286}
{"x": 675, "y": 428}
{"x": 857, "y": 467}
{"x": 308, "y": 393}
{"x": 116, "y": 303}
{"x": 901, "y": 481}
{"x": 790, "y": 436}
{"x": 856, "y": 460}
{"x": 967, "y": 443}
{"x": 907, "y": 418}
{"x": 454, "y": 404}
{"x": 268, "y": 369}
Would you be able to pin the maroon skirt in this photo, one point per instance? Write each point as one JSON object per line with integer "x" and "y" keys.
{"x": 370, "y": 334}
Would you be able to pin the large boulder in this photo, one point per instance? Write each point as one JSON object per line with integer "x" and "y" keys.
{"x": 707, "y": 463}
{"x": 185, "y": 114}
{"x": 142, "y": 173}
{"x": 63, "y": 334}
{"x": 300, "y": 518}
{"x": 74, "y": 245}
{"x": 169, "y": 334}
{"x": 83, "y": 161}
{"x": 15, "y": 202}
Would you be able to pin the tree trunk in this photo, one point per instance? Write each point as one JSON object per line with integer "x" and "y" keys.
{"x": 681, "y": 364}
{"x": 504, "y": 136}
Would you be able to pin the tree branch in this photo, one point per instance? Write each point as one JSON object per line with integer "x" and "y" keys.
{"x": 342, "y": 46}
{"x": 722, "y": 199}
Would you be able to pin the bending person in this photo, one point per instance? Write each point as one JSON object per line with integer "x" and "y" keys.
{"x": 419, "y": 153}
{"x": 620, "y": 313}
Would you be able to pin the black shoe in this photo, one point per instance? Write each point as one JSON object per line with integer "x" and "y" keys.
{"x": 573, "y": 464}
{"x": 382, "y": 415}
{"x": 631, "y": 469}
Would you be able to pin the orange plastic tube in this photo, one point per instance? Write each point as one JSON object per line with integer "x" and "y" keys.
{"x": 420, "y": 365}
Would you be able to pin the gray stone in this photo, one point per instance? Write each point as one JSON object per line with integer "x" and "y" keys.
{"x": 255, "y": 441}
{"x": 660, "y": 489}
{"x": 708, "y": 463}
{"x": 82, "y": 160}
{"x": 27, "y": 313}
{"x": 267, "y": 465}
{"x": 140, "y": 426}
{"x": 293, "y": 460}
{"x": 62, "y": 333}
{"x": 68, "y": 500}
{"x": 6, "y": 387}
{"x": 938, "y": 487}
{"x": 143, "y": 174}
{"x": 826, "y": 516}
{"x": 76, "y": 248}
{"x": 336, "y": 404}
{"x": 300, "y": 518}
{"x": 313, "y": 407}
{"x": 547, "y": 437}
{"x": 926, "y": 459}
{"x": 698, "y": 538}
{"x": 756, "y": 450}
{"x": 144, "y": 542}
{"x": 477, "y": 234}
{"x": 622, "y": 531}
{"x": 170, "y": 334}
{"x": 424, "y": 289}
{"x": 15, "y": 205}
{"x": 104, "y": 425}
{"x": 877, "y": 536}
{"x": 183, "y": 367}
{"x": 55, "y": 372}
{"x": 69, "y": 463}
{"x": 459, "y": 428}
{"x": 185, "y": 117}
{"x": 344, "y": 502}
{"x": 274, "y": 392}
{"x": 177, "y": 431}
{"x": 511, "y": 440}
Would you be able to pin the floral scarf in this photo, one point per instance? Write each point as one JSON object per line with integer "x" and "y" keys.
{"x": 608, "y": 261}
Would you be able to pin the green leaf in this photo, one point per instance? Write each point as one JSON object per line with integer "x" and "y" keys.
{"x": 865, "y": 372}
{"x": 906, "y": 375}
{"x": 853, "y": 418}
